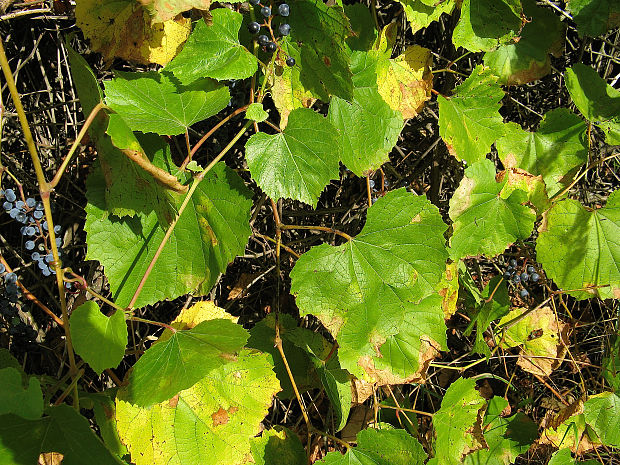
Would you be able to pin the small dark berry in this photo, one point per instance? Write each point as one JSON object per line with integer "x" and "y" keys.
{"x": 290, "y": 61}
{"x": 284, "y": 9}
{"x": 265, "y": 11}
{"x": 254, "y": 27}
{"x": 285, "y": 29}
{"x": 530, "y": 269}
{"x": 523, "y": 293}
{"x": 263, "y": 39}
{"x": 516, "y": 279}
{"x": 271, "y": 47}
{"x": 254, "y": 2}
{"x": 524, "y": 277}
{"x": 507, "y": 274}
{"x": 535, "y": 277}
{"x": 513, "y": 263}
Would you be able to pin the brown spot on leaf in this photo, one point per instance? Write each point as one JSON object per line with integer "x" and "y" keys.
{"x": 174, "y": 401}
{"x": 220, "y": 417}
{"x": 327, "y": 61}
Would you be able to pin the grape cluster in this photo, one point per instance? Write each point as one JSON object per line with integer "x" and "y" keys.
{"x": 529, "y": 274}
{"x": 34, "y": 229}
{"x": 21, "y": 333}
{"x": 284, "y": 28}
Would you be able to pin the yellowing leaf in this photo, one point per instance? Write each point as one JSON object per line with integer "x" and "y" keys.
{"x": 569, "y": 429}
{"x": 405, "y": 82}
{"x": 123, "y": 29}
{"x": 543, "y": 340}
{"x": 202, "y": 311}
{"x": 448, "y": 289}
{"x": 163, "y": 10}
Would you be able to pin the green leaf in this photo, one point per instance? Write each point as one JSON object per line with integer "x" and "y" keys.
{"x": 494, "y": 303}
{"x": 555, "y": 151}
{"x": 256, "y": 112}
{"x": 212, "y": 230}
{"x": 597, "y": 101}
{"x": 485, "y": 220}
{"x": 278, "y": 446}
{"x": 602, "y": 413}
{"x": 298, "y": 162}
{"x": 611, "y": 364}
{"x": 578, "y": 248}
{"x": 27, "y": 403}
{"x": 262, "y": 337}
{"x": 363, "y": 27}
{"x": 154, "y": 102}
{"x": 212, "y": 423}
{"x": 455, "y": 422}
{"x": 380, "y": 447}
{"x": 214, "y": 51}
{"x": 420, "y": 14}
{"x": 485, "y": 24}
{"x": 366, "y": 289}
{"x": 528, "y": 59}
{"x": 563, "y": 457}
{"x": 99, "y": 340}
{"x": 469, "y": 121}
{"x": 323, "y": 61}
{"x": 368, "y": 127}
{"x": 506, "y": 437}
{"x": 178, "y": 362}
{"x": 595, "y": 17}
{"x": 163, "y": 10}
{"x": 63, "y": 430}
{"x": 105, "y": 416}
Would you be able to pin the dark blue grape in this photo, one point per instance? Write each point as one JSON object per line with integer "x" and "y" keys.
{"x": 29, "y": 245}
{"x": 30, "y": 231}
{"x": 57, "y": 229}
{"x": 371, "y": 183}
{"x": 265, "y": 11}
{"x": 285, "y": 29}
{"x": 44, "y": 225}
{"x": 49, "y": 258}
{"x": 9, "y": 194}
{"x": 30, "y": 202}
{"x": 516, "y": 279}
{"x": 11, "y": 289}
{"x": 535, "y": 277}
{"x": 36, "y": 256}
{"x": 513, "y": 263}
{"x": 523, "y": 293}
{"x": 290, "y": 61}
{"x": 14, "y": 212}
{"x": 39, "y": 206}
{"x": 284, "y": 9}
{"x": 530, "y": 269}
{"x": 20, "y": 204}
{"x": 10, "y": 278}
{"x": 7, "y": 206}
{"x": 254, "y": 2}
{"x": 41, "y": 264}
{"x": 524, "y": 277}
{"x": 2, "y": 268}
{"x": 271, "y": 47}
{"x": 22, "y": 217}
{"x": 507, "y": 274}
{"x": 263, "y": 40}
{"x": 22, "y": 230}
{"x": 38, "y": 214}
{"x": 254, "y": 27}
{"x": 46, "y": 271}
{"x": 58, "y": 242}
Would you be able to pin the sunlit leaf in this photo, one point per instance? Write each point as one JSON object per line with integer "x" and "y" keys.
{"x": 602, "y": 413}
{"x": 163, "y": 10}
{"x": 420, "y": 14}
{"x": 256, "y": 112}
{"x": 278, "y": 446}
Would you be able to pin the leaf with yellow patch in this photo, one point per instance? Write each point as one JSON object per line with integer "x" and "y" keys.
{"x": 568, "y": 429}
{"x": 405, "y": 82}
{"x": 123, "y": 29}
{"x": 163, "y": 10}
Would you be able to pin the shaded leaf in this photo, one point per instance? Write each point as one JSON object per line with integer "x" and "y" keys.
{"x": 105, "y": 417}
{"x": 563, "y": 457}
{"x": 579, "y": 249}
{"x": 177, "y": 363}
{"x": 457, "y": 423}
{"x": 368, "y": 128}
{"x": 214, "y": 51}
{"x": 26, "y": 402}
{"x": 63, "y": 430}
{"x": 528, "y": 59}
{"x": 211, "y": 423}
{"x": 469, "y": 121}
{"x": 370, "y": 288}
{"x": 380, "y": 447}
{"x": 123, "y": 29}
{"x": 278, "y": 446}
{"x": 569, "y": 429}
{"x": 298, "y": 162}
{"x": 611, "y": 364}
{"x": 153, "y": 102}
{"x": 363, "y": 26}
{"x": 486, "y": 220}
{"x": 98, "y": 339}
{"x": 594, "y": 17}
{"x": 555, "y": 151}
{"x": 485, "y": 24}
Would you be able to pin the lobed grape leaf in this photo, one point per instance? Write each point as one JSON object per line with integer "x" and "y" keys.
{"x": 163, "y": 10}
{"x": 211, "y": 423}
{"x": 602, "y": 413}
{"x": 371, "y": 287}
{"x": 579, "y": 248}
{"x": 128, "y": 188}
{"x": 98, "y": 339}
{"x": 457, "y": 423}
{"x": 486, "y": 219}
{"x": 278, "y": 446}
{"x": 62, "y": 430}
{"x": 380, "y": 447}
{"x": 405, "y": 82}
{"x": 421, "y": 14}
{"x": 320, "y": 32}
{"x": 528, "y": 59}
{"x": 123, "y": 29}
{"x": 298, "y": 162}
{"x": 485, "y": 24}
{"x": 594, "y": 17}
{"x": 563, "y": 457}
{"x": 26, "y": 402}
{"x": 368, "y": 128}
{"x": 543, "y": 339}
{"x": 534, "y": 187}
{"x": 364, "y": 32}
{"x": 153, "y": 102}
{"x": 506, "y": 438}
{"x": 256, "y": 112}
{"x": 212, "y": 230}
{"x": 214, "y": 51}
{"x": 555, "y": 151}
{"x": 469, "y": 121}
{"x": 595, "y": 99}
